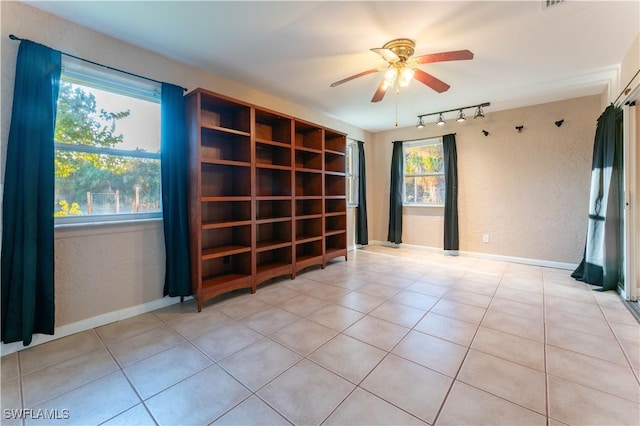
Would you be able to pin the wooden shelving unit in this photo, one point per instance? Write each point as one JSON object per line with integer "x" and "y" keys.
{"x": 221, "y": 195}
{"x": 267, "y": 194}
{"x": 309, "y": 165}
{"x": 335, "y": 195}
{"x": 274, "y": 202}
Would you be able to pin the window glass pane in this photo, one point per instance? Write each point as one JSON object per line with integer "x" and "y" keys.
{"x": 106, "y": 184}
{"x": 93, "y": 184}
{"x": 428, "y": 190}
{"x": 423, "y": 159}
{"x": 353, "y": 191}
{"x": 424, "y": 172}
{"x": 352, "y": 173}
{"x": 410, "y": 190}
{"x": 95, "y": 117}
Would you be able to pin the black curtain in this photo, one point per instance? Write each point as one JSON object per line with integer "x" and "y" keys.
{"x": 175, "y": 191}
{"x": 601, "y": 262}
{"x": 28, "y": 204}
{"x": 451, "y": 194}
{"x": 395, "y": 197}
{"x": 362, "y": 229}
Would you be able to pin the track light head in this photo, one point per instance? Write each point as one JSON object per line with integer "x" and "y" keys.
{"x": 559, "y": 122}
{"x": 441, "y": 121}
{"x": 420, "y": 123}
{"x": 479, "y": 113}
{"x": 461, "y": 117}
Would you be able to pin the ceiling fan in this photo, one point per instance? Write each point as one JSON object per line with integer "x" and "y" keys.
{"x": 401, "y": 68}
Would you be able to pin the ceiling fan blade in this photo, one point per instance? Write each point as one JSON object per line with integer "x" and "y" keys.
{"x": 456, "y": 55}
{"x": 429, "y": 80}
{"x": 387, "y": 54}
{"x": 380, "y": 92}
{"x": 362, "y": 74}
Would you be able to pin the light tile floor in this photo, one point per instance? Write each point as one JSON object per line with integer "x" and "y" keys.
{"x": 392, "y": 336}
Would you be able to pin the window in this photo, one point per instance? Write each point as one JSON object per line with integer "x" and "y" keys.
{"x": 107, "y": 146}
{"x": 352, "y": 173}
{"x": 424, "y": 173}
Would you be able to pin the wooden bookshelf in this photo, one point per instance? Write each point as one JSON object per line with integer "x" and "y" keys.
{"x": 267, "y": 196}
{"x": 335, "y": 195}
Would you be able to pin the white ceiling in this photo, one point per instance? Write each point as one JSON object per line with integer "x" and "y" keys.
{"x": 525, "y": 54}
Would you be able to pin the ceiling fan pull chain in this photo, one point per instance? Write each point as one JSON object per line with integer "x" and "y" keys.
{"x": 397, "y": 93}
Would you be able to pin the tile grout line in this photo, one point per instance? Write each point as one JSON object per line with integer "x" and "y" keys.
{"x": 19, "y": 359}
{"x": 357, "y": 385}
{"x": 547, "y": 397}
{"x": 615, "y": 336}
{"x": 127, "y": 379}
{"x": 49, "y": 398}
{"x": 464, "y": 358}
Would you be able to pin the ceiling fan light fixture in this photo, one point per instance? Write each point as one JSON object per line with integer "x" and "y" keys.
{"x": 391, "y": 75}
{"x": 420, "y": 123}
{"x": 461, "y": 117}
{"x": 440, "y": 121}
{"x": 479, "y": 113}
{"x": 406, "y": 74}
{"x": 402, "y": 68}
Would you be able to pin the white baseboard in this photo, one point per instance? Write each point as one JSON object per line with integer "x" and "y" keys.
{"x": 89, "y": 323}
{"x": 498, "y": 257}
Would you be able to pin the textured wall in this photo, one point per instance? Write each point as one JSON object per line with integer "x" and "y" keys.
{"x": 529, "y": 191}
{"x": 100, "y": 270}
{"x": 107, "y": 268}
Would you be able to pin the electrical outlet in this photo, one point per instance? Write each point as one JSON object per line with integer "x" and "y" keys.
{"x": 485, "y": 238}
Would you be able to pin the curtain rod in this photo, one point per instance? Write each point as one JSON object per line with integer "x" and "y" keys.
{"x": 13, "y": 37}
{"x": 421, "y": 139}
{"x": 626, "y": 88}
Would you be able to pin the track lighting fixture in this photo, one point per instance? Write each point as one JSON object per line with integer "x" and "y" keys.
{"x": 460, "y": 117}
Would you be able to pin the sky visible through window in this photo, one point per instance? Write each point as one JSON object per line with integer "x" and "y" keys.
{"x": 141, "y": 129}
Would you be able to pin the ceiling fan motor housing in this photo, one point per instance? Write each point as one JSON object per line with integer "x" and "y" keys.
{"x": 402, "y": 47}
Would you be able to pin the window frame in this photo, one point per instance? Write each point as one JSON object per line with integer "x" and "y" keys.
{"x": 94, "y": 76}
{"x": 420, "y": 143}
{"x": 352, "y": 172}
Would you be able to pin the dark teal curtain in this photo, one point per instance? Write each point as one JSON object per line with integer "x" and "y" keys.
{"x": 175, "y": 191}
{"x": 362, "y": 228}
{"x": 601, "y": 262}
{"x": 395, "y": 197}
{"x": 28, "y": 204}
{"x": 451, "y": 194}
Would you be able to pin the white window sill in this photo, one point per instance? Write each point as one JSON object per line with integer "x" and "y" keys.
{"x": 437, "y": 206}
{"x": 75, "y": 229}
